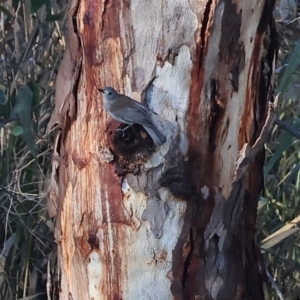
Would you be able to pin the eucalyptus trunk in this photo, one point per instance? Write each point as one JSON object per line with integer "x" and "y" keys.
{"x": 137, "y": 221}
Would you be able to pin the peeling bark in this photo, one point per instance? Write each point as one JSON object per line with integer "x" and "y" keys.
{"x": 177, "y": 222}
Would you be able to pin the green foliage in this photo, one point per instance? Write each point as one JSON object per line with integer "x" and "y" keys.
{"x": 18, "y": 130}
{"x": 2, "y": 97}
{"x": 36, "y": 5}
{"x": 33, "y": 50}
{"x": 284, "y": 142}
{"x": 279, "y": 210}
{"x": 55, "y": 17}
{"x": 23, "y": 110}
{"x": 292, "y": 67}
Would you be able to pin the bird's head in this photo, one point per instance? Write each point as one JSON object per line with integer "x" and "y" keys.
{"x": 109, "y": 93}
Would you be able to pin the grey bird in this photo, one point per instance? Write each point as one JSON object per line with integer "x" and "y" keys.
{"x": 128, "y": 111}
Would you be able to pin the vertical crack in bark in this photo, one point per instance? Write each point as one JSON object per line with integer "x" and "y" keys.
{"x": 188, "y": 260}
{"x": 76, "y": 86}
{"x": 203, "y": 32}
{"x": 78, "y": 67}
{"x": 214, "y": 113}
{"x": 105, "y": 4}
{"x": 182, "y": 260}
{"x": 267, "y": 32}
{"x": 235, "y": 203}
{"x": 74, "y": 14}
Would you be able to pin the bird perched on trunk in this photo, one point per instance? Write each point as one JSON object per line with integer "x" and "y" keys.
{"x": 128, "y": 111}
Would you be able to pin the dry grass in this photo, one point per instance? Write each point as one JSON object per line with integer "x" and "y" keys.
{"x": 32, "y": 45}
{"x": 279, "y": 210}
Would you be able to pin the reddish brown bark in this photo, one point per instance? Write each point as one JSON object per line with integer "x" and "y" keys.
{"x": 137, "y": 222}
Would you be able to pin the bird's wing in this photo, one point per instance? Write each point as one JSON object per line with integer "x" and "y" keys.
{"x": 137, "y": 114}
{"x": 134, "y": 115}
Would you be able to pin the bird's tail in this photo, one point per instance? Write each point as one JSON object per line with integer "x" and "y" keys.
{"x": 156, "y": 135}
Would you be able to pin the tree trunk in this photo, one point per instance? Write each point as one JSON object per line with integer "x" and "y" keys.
{"x": 136, "y": 221}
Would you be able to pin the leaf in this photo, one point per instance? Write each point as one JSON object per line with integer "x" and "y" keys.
{"x": 6, "y": 12}
{"x": 284, "y": 142}
{"x": 2, "y": 97}
{"x": 35, "y": 90}
{"x": 36, "y": 5}
{"x": 32, "y": 297}
{"x": 292, "y": 66}
{"x": 269, "y": 243}
{"x": 23, "y": 109}
{"x": 36, "y": 96}
{"x": 15, "y": 4}
{"x": 281, "y": 234}
{"x": 18, "y": 130}
{"x": 5, "y": 110}
{"x": 55, "y": 17}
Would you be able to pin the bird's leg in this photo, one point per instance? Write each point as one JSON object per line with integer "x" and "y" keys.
{"x": 123, "y": 129}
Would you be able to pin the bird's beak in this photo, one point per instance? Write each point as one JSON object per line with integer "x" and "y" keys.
{"x": 100, "y": 90}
